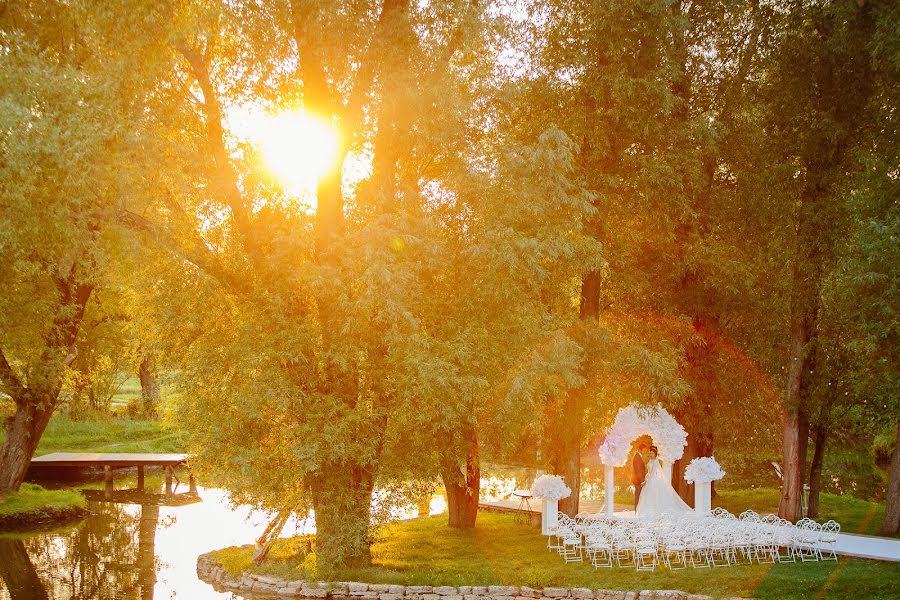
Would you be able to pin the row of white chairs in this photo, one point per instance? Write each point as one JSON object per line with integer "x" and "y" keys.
{"x": 678, "y": 541}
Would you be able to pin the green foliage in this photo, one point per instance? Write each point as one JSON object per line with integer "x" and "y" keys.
{"x": 65, "y": 140}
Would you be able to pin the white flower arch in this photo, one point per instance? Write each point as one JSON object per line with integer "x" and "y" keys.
{"x": 633, "y": 421}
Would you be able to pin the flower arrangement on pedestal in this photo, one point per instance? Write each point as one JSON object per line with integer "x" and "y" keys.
{"x": 703, "y": 470}
{"x": 632, "y": 422}
{"x": 551, "y": 487}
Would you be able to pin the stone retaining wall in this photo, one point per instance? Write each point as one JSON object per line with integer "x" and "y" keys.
{"x": 209, "y": 571}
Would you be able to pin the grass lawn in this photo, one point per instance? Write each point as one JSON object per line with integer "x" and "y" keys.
{"x": 129, "y": 391}
{"x": 107, "y": 435}
{"x": 501, "y": 551}
{"x": 32, "y": 505}
{"x": 854, "y": 515}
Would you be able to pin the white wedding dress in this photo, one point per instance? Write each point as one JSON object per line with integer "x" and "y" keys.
{"x": 658, "y": 496}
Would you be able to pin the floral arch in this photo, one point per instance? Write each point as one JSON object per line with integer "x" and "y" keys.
{"x": 631, "y": 422}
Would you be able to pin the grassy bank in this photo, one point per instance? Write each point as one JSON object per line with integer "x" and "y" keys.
{"x": 110, "y": 434}
{"x": 32, "y": 505}
{"x": 854, "y": 515}
{"x": 502, "y": 552}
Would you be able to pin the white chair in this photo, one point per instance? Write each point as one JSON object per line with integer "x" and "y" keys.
{"x": 698, "y": 549}
{"x": 719, "y": 551}
{"x": 765, "y": 548}
{"x": 564, "y": 528}
{"x": 807, "y": 540}
{"x": 623, "y": 548}
{"x": 572, "y": 548}
{"x": 719, "y": 512}
{"x": 828, "y": 537}
{"x": 785, "y": 541}
{"x": 742, "y": 544}
{"x": 599, "y": 551}
{"x": 750, "y": 516}
{"x": 645, "y": 558}
{"x": 673, "y": 547}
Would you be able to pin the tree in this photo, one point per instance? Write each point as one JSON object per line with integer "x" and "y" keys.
{"x": 65, "y": 134}
{"x": 860, "y": 294}
{"x": 612, "y": 74}
{"x": 313, "y": 346}
{"x": 817, "y": 116}
{"x": 721, "y": 285}
{"x": 149, "y": 384}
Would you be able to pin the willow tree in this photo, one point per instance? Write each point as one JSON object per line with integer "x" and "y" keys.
{"x": 310, "y": 347}
{"x": 66, "y": 140}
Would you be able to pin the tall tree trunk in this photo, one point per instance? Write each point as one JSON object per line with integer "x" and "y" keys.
{"x": 693, "y": 412}
{"x": 463, "y": 488}
{"x": 18, "y": 572}
{"x": 567, "y": 429}
{"x": 891, "y": 523}
{"x": 564, "y": 452}
{"x": 149, "y": 385}
{"x": 342, "y": 500}
{"x": 804, "y": 315}
{"x": 794, "y": 464}
{"x": 817, "y": 221}
{"x": 815, "y": 472}
{"x": 699, "y": 443}
{"x": 23, "y": 432}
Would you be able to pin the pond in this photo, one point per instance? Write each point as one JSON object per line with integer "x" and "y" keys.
{"x": 131, "y": 548}
{"x": 145, "y": 545}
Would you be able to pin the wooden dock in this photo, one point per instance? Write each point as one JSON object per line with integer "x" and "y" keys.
{"x": 111, "y": 460}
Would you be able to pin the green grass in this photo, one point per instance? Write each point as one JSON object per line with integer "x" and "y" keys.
{"x": 128, "y": 391}
{"x": 854, "y": 515}
{"x": 107, "y": 435}
{"x": 500, "y": 551}
{"x": 33, "y": 504}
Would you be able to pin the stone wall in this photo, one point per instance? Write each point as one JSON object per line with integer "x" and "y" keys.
{"x": 212, "y": 573}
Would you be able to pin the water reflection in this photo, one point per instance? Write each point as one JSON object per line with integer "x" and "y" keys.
{"x": 146, "y": 548}
{"x": 18, "y": 572}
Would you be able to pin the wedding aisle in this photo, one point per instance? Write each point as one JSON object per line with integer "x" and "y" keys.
{"x": 868, "y": 546}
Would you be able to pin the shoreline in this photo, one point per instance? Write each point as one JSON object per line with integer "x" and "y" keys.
{"x": 211, "y": 572}
{"x": 33, "y": 507}
{"x": 27, "y": 521}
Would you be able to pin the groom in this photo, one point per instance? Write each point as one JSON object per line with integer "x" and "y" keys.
{"x": 638, "y": 472}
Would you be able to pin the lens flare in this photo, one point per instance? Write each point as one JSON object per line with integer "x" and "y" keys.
{"x": 297, "y": 148}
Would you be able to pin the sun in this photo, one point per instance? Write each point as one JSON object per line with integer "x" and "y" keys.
{"x": 297, "y": 148}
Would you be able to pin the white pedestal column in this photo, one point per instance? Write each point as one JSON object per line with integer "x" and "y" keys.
{"x": 609, "y": 488}
{"x": 702, "y": 497}
{"x": 549, "y": 515}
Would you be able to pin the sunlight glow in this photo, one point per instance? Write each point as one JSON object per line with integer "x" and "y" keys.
{"x": 298, "y": 149}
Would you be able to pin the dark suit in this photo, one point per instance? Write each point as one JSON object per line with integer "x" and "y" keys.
{"x": 638, "y": 475}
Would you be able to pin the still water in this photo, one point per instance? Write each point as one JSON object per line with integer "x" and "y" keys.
{"x": 145, "y": 545}
{"x": 137, "y": 549}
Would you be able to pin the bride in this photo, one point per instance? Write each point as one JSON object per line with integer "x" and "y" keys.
{"x": 658, "y": 496}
